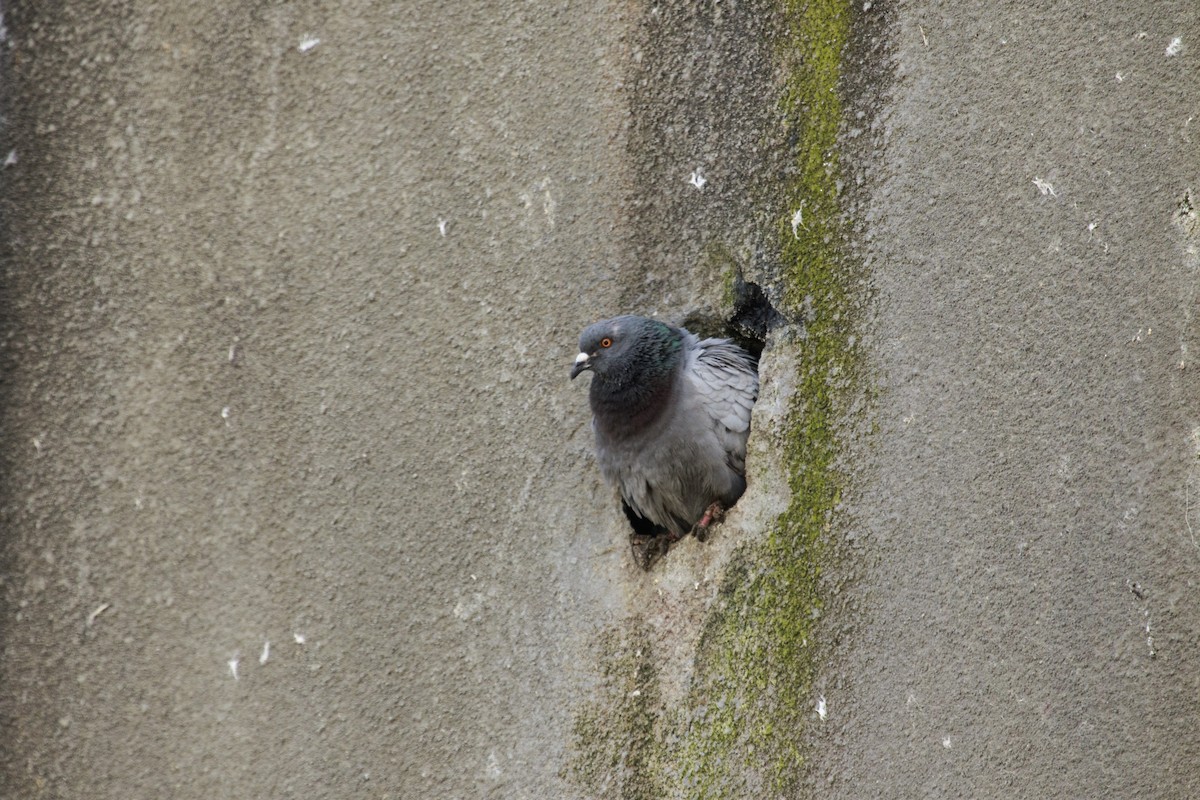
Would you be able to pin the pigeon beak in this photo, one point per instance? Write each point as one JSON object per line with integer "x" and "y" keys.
{"x": 582, "y": 361}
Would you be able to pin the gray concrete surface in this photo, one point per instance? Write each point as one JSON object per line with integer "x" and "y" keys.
{"x": 1029, "y": 514}
{"x": 251, "y": 391}
{"x": 285, "y": 335}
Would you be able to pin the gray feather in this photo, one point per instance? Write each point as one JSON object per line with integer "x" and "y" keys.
{"x": 671, "y": 417}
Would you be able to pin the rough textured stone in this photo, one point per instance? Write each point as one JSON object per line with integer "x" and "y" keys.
{"x": 288, "y": 300}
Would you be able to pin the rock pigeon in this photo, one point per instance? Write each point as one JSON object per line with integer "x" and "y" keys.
{"x": 671, "y": 415}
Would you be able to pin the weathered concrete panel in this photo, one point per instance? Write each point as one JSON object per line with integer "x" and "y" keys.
{"x": 252, "y": 390}
{"x": 290, "y": 293}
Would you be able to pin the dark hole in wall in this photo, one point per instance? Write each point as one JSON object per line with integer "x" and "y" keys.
{"x": 753, "y": 319}
{"x": 753, "y": 316}
{"x": 640, "y": 525}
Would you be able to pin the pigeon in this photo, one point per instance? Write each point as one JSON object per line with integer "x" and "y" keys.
{"x": 671, "y": 416}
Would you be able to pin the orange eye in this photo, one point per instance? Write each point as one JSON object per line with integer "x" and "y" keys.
{"x": 606, "y": 342}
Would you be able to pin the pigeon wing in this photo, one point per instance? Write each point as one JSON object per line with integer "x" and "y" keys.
{"x": 726, "y": 378}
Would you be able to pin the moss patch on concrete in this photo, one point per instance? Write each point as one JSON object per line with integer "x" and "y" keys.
{"x": 751, "y": 699}
{"x": 620, "y": 754}
{"x": 740, "y": 733}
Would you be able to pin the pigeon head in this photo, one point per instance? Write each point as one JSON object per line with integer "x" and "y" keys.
{"x": 624, "y": 349}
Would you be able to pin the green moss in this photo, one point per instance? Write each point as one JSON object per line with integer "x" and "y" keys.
{"x": 617, "y": 752}
{"x": 722, "y": 267}
{"x": 752, "y": 694}
{"x": 740, "y": 732}
{"x": 729, "y": 278}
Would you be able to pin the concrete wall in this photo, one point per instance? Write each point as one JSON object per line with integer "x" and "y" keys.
{"x": 289, "y": 296}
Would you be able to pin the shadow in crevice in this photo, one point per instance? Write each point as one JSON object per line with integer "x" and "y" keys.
{"x": 752, "y": 321}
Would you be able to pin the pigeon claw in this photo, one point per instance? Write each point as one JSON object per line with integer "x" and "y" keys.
{"x": 713, "y": 514}
{"x": 647, "y": 550}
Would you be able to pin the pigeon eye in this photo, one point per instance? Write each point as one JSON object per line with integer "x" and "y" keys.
{"x": 606, "y": 342}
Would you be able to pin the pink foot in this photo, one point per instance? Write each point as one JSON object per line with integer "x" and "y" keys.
{"x": 714, "y": 513}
